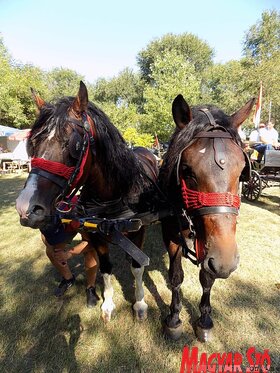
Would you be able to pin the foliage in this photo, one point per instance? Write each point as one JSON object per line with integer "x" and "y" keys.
{"x": 125, "y": 89}
{"x": 63, "y": 82}
{"x": 194, "y": 51}
{"x": 134, "y": 138}
{"x": 263, "y": 38}
{"x": 171, "y": 75}
{"x": 16, "y": 106}
{"x": 122, "y": 116}
{"x": 168, "y": 65}
{"x": 228, "y": 86}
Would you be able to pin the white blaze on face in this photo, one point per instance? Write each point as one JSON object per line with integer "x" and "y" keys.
{"x": 48, "y": 149}
{"x": 202, "y": 150}
{"x": 23, "y": 200}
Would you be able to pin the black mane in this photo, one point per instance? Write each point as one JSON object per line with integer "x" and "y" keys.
{"x": 182, "y": 138}
{"x": 119, "y": 165}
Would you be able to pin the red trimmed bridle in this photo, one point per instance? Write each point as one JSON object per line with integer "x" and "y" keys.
{"x": 198, "y": 203}
{"x": 67, "y": 178}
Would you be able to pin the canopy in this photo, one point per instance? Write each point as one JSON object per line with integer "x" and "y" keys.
{"x": 20, "y": 135}
{"x": 7, "y": 131}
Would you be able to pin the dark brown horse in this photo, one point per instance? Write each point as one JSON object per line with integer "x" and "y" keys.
{"x": 72, "y": 144}
{"x": 200, "y": 176}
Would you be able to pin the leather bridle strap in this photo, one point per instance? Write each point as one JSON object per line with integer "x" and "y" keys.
{"x": 209, "y": 116}
{"x": 56, "y": 179}
{"x": 207, "y": 210}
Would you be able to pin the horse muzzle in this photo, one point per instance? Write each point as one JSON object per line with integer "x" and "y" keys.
{"x": 33, "y": 216}
{"x": 220, "y": 266}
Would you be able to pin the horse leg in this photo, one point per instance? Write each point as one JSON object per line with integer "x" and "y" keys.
{"x": 173, "y": 327}
{"x": 102, "y": 249}
{"x": 204, "y": 324}
{"x": 140, "y": 307}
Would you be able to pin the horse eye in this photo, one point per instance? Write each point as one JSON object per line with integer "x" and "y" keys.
{"x": 186, "y": 169}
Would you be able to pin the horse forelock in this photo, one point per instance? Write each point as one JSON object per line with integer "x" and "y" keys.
{"x": 181, "y": 139}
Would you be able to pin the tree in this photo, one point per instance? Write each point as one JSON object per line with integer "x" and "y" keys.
{"x": 227, "y": 85}
{"x": 16, "y": 105}
{"x": 63, "y": 82}
{"x": 194, "y": 51}
{"x": 171, "y": 75}
{"x": 134, "y": 138}
{"x": 263, "y": 38}
{"x": 124, "y": 89}
{"x": 122, "y": 116}
{"x": 262, "y": 50}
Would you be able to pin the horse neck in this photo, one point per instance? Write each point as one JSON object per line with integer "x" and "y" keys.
{"x": 97, "y": 187}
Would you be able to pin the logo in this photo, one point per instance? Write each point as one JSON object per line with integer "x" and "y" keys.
{"x": 227, "y": 362}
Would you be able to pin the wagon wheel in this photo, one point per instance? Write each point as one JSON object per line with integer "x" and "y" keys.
{"x": 252, "y": 188}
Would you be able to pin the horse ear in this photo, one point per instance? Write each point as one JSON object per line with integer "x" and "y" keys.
{"x": 37, "y": 99}
{"x": 81, "y": 101}
{"x": 238, "y": 118}
{"x": 181, "y": 112}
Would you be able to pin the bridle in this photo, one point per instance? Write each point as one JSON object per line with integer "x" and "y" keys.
{"x": 197, "y": 203}
{"x": 68, "y": 178}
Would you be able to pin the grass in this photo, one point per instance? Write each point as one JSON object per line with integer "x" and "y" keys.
{"x": 40, "y": 333}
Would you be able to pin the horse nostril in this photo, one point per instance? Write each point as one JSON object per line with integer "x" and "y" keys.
{"x": 37, "y": 210}
{"x": 211, "y": 265}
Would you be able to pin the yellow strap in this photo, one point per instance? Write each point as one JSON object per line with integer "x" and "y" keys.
{"x": 90, "y": 225}
{"x": 66, "y": 221}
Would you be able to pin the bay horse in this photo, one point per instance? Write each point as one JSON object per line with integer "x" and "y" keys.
{"x": 73, "y": 145}
{"x": 200, "y": 177}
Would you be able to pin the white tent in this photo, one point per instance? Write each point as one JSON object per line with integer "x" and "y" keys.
{"x": 19, "y": 153}
{"x": 7, "y": 131}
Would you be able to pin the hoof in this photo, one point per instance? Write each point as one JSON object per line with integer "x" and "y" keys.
{"x": 140, "y": 310}
{"x": 107, "y": 309}
{"x": 140, "y": 315}
{"x": 173, "y": 333}
{"x": 203, "y": 335}
{"x": 106, "y": 316}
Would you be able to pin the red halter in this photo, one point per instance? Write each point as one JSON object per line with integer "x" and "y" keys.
{"x": 195, "y": 200}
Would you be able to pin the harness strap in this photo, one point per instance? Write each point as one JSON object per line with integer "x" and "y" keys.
{"x": 214, "y": 134}
{"x": 209, "y": 116}
{"x": 214, "y": 210}
{"x": 52, "y": 177}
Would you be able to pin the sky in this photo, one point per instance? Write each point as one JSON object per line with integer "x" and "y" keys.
{"x": 99, "y": 39}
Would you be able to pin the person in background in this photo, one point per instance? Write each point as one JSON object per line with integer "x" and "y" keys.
{"x": 271, "y": 135}
{"x": 258, "y": 141}
{"x": 59, "y": 256}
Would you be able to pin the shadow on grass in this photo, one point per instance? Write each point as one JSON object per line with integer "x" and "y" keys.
{"x": 153, "y": 247}
{"x": 45, "y": 335}
{"x": 48, "y": 342}
{"x": 269, "y": 202}
{"x": 52, "y": 337}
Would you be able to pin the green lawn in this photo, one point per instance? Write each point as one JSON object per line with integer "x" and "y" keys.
{"x": 40, "y": 333}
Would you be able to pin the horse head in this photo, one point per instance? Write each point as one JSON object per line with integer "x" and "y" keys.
{"x": 60, "y": 158}
{"x": 209, "y": 162}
